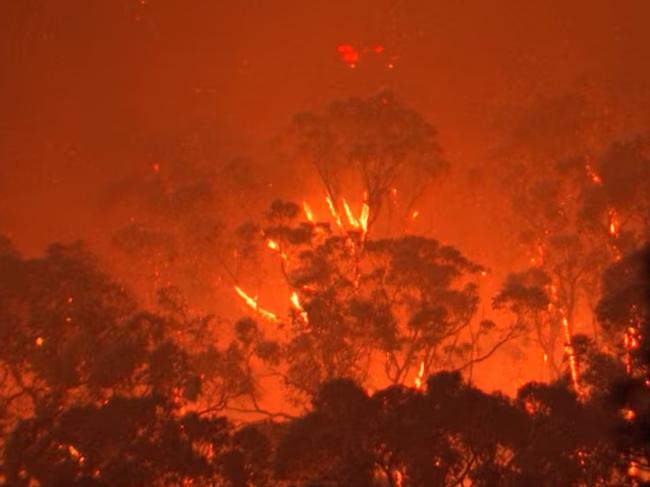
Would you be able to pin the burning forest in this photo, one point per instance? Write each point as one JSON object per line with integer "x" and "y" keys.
{"x": 373, "y": 244}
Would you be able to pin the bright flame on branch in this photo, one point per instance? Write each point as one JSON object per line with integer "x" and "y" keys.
{"x": 273, "y": 245}
{"x": 251, "y": 302}
{"x": 363, "y": 219}
{"x": 348, "y": 212}
{"x": 570, "y": 351}
{"x": 295, "y": 300}
{"x": 614, "y": 225}
{"x": 308, "y": 213}
{"x": 360, "y": 222}
{"x": 419, "y": 379}
{"x": 335, "y": 214}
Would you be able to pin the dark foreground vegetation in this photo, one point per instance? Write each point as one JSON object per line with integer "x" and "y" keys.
{"x": 97, "y": 392}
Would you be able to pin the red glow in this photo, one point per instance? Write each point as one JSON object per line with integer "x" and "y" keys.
{"x": 348, "y": 54}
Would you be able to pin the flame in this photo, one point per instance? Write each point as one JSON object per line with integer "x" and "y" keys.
{"x": 75, "y": 454}
{"x": 335, "y": 214}
{"x": 252, "y": 303}
{"x": 631, "y": 340}
{"x": 570, "y": 351}
{"x": 629, "y": 414}
{"x": 351, "y": 218}
{"x": 418, "y": 380}
{"x": 595, "y": 178}
{"x": 308, "y": 213}
{"x": 614, "y": 225}
{"x": 399, "y": 478}
{"x": 538, "y": 260}
{"x": 363, "y": 219}
{"x": 295, "y": 300}
{"x": 273, "y": 245}
{"x": 73, "y": 451}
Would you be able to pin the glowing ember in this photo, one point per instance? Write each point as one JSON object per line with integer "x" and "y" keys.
{"x": 415, "y": 214}
{"x": 629, "y": 414}
{"x": 251, "y": 302}
{"x": 39, "y": 341}
{"x": 74, "y": 453}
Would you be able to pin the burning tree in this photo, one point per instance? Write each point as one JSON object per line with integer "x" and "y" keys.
{"x": 369, "y": 309}
{"x": 174, "y": 215}
{"x": 94, "y": 389}
{"x": 624, "y": 312}
{"x": 374, "y": 145}
{"x": 576, "y": 213}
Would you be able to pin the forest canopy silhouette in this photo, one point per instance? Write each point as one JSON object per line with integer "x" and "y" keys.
{"x": 375, "y": 350}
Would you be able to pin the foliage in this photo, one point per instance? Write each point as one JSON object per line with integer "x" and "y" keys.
{"x": 368, "y": 307}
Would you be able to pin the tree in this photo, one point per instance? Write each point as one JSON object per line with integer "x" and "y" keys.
{"x": 374, "y": 145}
{"x": 98, "y": 391}
{"x": 175, "y": 215}
{"x": 576, "y": 212}
{"x": 624, "y": 313}
{"x": 363, "y": 308}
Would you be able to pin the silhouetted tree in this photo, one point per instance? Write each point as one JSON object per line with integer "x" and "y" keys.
{"x": 363, "y": 308}
{"x": 96, "y": 391}
{"x": 374, "y": 145}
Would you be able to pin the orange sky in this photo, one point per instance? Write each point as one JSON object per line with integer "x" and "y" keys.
{"x": 90, "y": 90}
